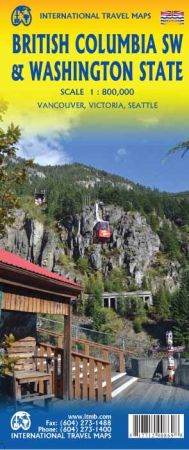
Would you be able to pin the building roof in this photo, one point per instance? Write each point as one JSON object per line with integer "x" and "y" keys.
{"x": 12, "y": 260}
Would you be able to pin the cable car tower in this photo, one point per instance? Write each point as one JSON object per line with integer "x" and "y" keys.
{"x": 101, "y": 229}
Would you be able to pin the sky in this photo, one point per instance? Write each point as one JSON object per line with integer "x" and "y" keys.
{"x": 136, "y": 148}
{"x": 132, "y": 142}
{"x": 139, "y": 155}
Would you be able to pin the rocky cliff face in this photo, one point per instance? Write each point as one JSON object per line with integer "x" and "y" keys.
{"x": 133, "y": 246}
{"x": 33, "y": 241}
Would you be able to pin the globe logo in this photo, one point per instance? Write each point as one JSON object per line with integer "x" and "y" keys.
{"x": 21, "y": 419}
{"x": 21, "y": 15}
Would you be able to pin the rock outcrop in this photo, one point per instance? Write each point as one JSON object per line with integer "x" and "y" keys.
{"x": 133, "y": 246}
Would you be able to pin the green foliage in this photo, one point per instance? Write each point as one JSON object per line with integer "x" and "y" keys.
{"x": 65, "y": 260}
{"x": 185, "y": 355}
{"x": 137, "y": 325}
{"x": 114, "y": 282}
{"x": 7, "y": 363}
{"x": 162, "y": 263}
{"x": 162, "y": 304}
{"x": 94, "y": 287}
{"x": 180, "y": 312}
{"x": 67, "y": 190}
{"x": 123, "y": 307}
{"x": 169, "y": 239}
{"x": 186, "y": 228}
{"x": 50, "y": 323}
{"x": 145, "y": 284}
{"x": 66, "y": 193}
{"x": 70, "y": 204}
{"x": 79, "y": 307}
{"x": 83, "y": 264}
{"x": 9, "y": 179}
{"x": 183, "y": 147}
{"x": 138, "y": 307}
{"x": 107, "y": 321}
{"x": 94, "y": 284}
{"x": 153, "y": 221}
{"x": 134, "y": 309}
{"x": 32, "y": 211}
{"x": 131, "y": 307}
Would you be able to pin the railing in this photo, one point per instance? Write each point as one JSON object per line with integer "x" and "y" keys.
{"x": 57, "y": 355}
{"x": 133, "y": 347}
{"x": 90, "y": 348}
{"x": 103, "y": 351}
{"x": 91, "y": 377}
{"x": 79, "y": 331}
{"x": 58, "y": 336}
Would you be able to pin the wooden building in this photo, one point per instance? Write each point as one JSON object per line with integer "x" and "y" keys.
{"x": 28, "y": 288}
{"x": 80, "y": 369}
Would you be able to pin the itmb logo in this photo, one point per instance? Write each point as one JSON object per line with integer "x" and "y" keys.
{"x": 21, "y": 419}
{"x": 21, "y": 15}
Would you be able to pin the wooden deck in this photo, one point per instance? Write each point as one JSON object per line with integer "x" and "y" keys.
{"x": 146, "y": 393}
{"x": 140, "y": 396}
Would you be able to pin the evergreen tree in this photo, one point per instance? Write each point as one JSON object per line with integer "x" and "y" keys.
{"x": 94, "y": 287}
{"x": 168, "y": 236}
{"x": 162, "y": 304}
{"x": 180, "y": 312}
{"x": 183, "y": 147}
{"x": 10, "y": 177}
{"x": 115, "y": 281}
{"x": 107, "y": 321}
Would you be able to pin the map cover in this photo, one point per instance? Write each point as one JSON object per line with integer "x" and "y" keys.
{"x": 94, "y": 224}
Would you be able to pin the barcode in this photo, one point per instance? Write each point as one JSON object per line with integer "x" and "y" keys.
{"x": 156, "y": 426}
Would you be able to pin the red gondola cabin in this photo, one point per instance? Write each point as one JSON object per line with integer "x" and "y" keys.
{"x": 101, "y": 231}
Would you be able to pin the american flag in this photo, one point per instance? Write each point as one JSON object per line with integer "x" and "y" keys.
{"x": 172, "y": 16}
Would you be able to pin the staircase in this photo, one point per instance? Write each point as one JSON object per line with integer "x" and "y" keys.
{"x": 121, "y": 382}
{"x": 93, "y": 374}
